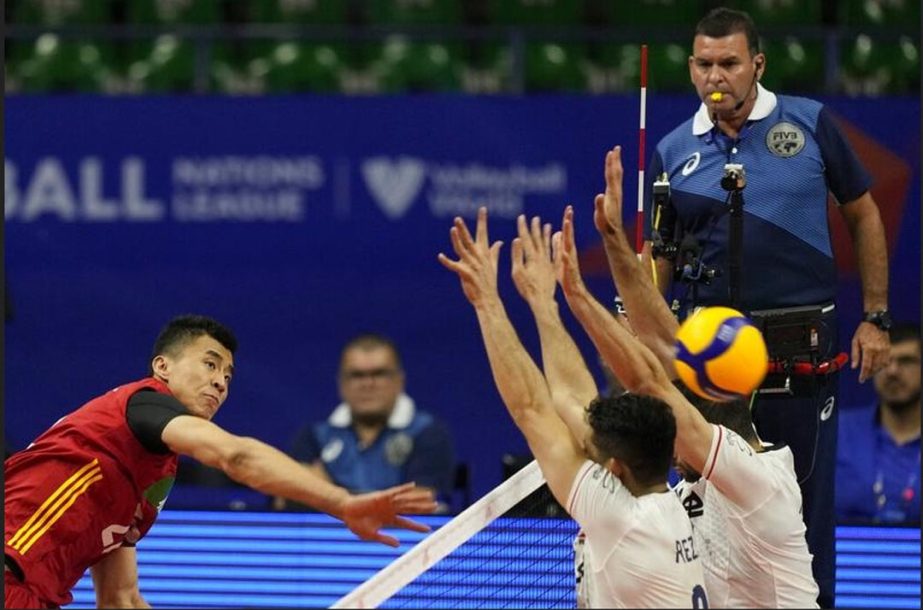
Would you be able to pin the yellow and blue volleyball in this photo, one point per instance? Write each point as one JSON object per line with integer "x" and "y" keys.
{"x": 720, "y": 354}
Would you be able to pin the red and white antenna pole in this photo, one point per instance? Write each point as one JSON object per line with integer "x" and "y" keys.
{"x": 639, "y": 226}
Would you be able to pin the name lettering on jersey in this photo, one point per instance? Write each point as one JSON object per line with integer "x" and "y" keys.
{"x": 606, "y": 479}
{"x": 785, "y": 139}
{"x": 694, "y": 505}
{"x": 733, "y": 440}
{"x": 692, "y": 163}
{"x": 685, "y": 550}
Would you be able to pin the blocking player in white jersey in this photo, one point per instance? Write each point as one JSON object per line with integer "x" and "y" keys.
{"x": 741, "y": 495}
{"x": 643, "y": 553}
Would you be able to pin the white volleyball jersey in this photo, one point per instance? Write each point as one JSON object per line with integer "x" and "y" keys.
{"x": 639, "y": 551}
{"x": 746, "y": 514}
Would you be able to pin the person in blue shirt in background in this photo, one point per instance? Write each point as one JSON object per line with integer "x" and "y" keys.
{"x": 878, "y": 463}
{"x": 377, "y": 436}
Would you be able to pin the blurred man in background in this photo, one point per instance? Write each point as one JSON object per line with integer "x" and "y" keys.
{"x": 878, "y": 463}
{"x": 377, "y": 437}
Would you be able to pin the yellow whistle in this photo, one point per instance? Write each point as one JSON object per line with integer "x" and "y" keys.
{"x": 716, "y": 96}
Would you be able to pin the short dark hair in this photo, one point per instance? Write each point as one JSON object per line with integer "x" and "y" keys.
{"x": 733, "y": 415}
{"x": 637, "y": 430}
{"x": 185, "y": 328}
{"x": 370, "y": 341}
{"x": 721, "y": 22}
{"x": 904, "y": 331}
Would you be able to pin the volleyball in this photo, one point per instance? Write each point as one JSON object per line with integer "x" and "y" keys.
{"x": 720, "y": 354}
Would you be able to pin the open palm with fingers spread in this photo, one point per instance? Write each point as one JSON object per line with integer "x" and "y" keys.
{"x": 477, "y": 260}
{"x": 365, "y": 514}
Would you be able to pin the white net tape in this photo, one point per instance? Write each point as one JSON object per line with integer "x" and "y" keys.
{"x": 453, "y": 534}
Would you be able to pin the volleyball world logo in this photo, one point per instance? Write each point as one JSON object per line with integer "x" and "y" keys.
{"x": 394, "y": 184}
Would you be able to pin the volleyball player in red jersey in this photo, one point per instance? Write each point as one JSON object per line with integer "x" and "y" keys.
{"x": 91, "y": 486}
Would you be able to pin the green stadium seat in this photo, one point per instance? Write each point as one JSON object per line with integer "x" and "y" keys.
{"x": 168, "y": 68}
{"x": 49, "y": 12}
{"x": 174, "y": 11}
{"x": 782, "y": 12}
{"x": 668, "y": 68}
{"x": 907, "y": 65}
{"x": 414, "y": 11}
{"x": 297, "y": 67}
{"x": 305, "y": 11}
{"x": 238, "y": 68}
{"x": 535, "y": 12}
{"x": 406, "y": 66}
{"x": 620, "y": 65}
{"x": 487, "y": 67}
{"x": 793, "y": 65}
{"x": 880, "y": 12}
{"x": 63, "y": 67}
{"x": 904, "y": 57}
{"x": 551, "y": 67}
{"x": 658, "y": 12}
{"x": 867, "y": 66}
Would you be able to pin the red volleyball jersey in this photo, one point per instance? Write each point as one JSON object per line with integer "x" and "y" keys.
{"x": 72, "y": 495}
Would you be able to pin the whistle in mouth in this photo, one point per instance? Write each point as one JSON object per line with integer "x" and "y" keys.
{"x": 716, "y": 96}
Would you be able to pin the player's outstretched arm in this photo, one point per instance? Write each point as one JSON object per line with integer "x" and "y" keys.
{"x": 268, "y": 470}
{"x": 569, "y": 380}
{"x": 634, "y": 365}
{"x": 115, "y": 580}
{"x": 648, "y": 312}
{"x": 519, "y": 381}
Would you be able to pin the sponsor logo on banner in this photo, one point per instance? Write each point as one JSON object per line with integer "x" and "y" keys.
{"x": 205, "y": 189}
{"x": 393, "y": 184}
{"x": 455, "y": 189}
{"x": 51, "y": 192}
{"x": 245, "y": 189}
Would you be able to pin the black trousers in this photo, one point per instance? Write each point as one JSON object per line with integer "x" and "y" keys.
{"x": 807, "y": 423}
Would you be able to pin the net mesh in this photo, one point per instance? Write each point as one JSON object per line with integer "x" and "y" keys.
{"x": 511, "y": 548}
{"x": 517, "y": 561}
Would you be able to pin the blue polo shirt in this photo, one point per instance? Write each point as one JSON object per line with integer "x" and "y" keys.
{"x": 876, "y": 479}
{"x": 792, "y": 153}
{"x": 414, "y": 446}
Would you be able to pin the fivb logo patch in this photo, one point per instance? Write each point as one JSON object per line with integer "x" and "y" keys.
{"x": 394, "y": 184}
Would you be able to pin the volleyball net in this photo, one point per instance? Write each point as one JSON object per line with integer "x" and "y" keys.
{"x": 497, "y": 553}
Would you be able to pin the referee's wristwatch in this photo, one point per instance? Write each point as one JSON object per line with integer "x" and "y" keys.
{"x": 881, "y": 319}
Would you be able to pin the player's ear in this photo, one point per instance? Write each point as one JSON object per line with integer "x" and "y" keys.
{"x": 615, "y": 467}
{"x": 161, "y": 367}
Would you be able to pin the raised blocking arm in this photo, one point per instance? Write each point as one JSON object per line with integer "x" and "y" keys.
{"x": 648, "y": 312}
{"x": 519, "y": 381}
{"x": 569, "y": 380}
{"x": 634, "y": 365}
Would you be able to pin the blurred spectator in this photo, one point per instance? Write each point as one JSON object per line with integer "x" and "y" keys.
{"x": 377, "y": 437}
{"x": 878, "y": 466}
